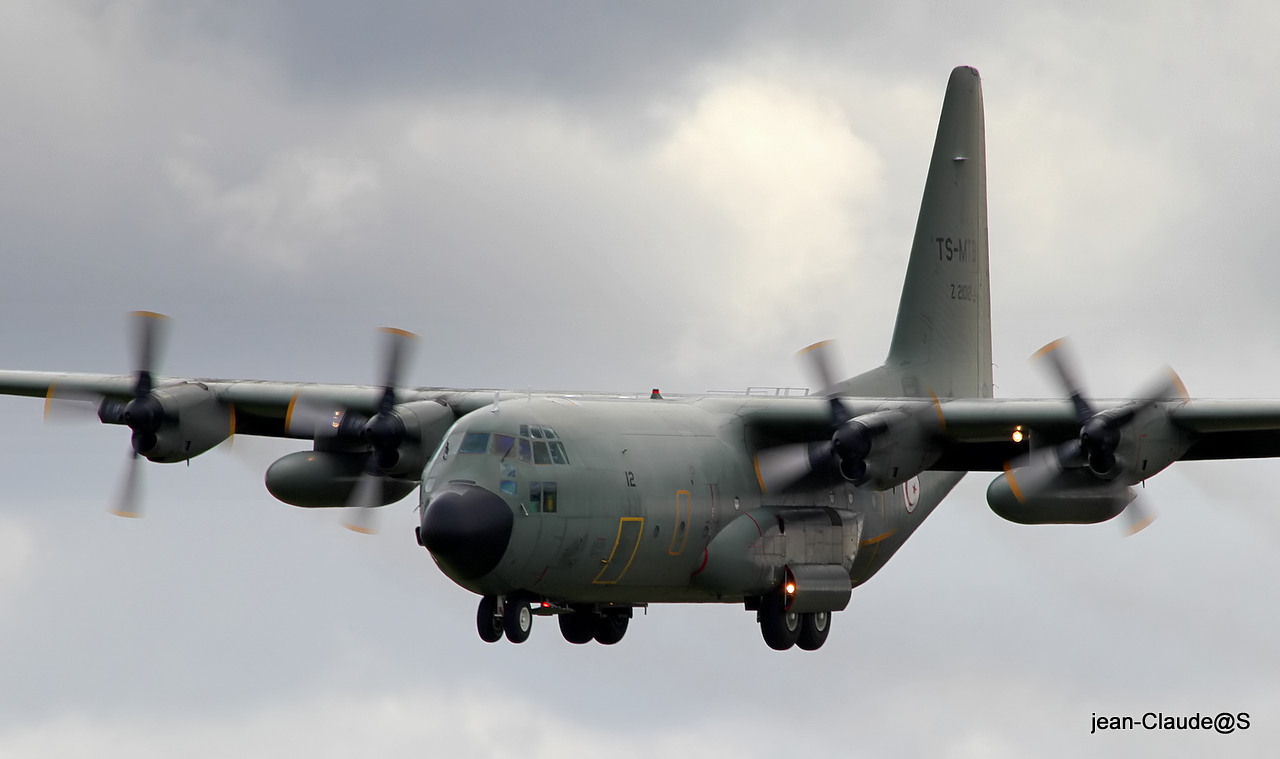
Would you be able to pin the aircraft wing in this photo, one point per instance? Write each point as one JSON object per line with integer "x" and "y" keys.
{"x": 260, "y": 407}
{"x": 978, "y": 434}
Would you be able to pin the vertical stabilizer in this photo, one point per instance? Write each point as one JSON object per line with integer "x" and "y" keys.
{"x": 942, "y": 337}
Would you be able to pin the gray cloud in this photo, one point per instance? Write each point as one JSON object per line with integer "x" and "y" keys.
{"x": 688, "y": 195}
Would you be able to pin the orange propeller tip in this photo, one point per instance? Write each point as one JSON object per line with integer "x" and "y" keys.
{"x": 816, "y": 346}
{"x": 1140, "y": 526}
{"x": 1013, "y": 484}
{"x": 148, "y": 314}
{"x": 397, "y": 331}
{"x": 360, "y": 529}
{"x": 1051, "y": 347}
{"x": 126, "y": 514}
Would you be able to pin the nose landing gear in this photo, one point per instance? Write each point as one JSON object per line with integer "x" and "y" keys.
{"x": 508, "y": 615}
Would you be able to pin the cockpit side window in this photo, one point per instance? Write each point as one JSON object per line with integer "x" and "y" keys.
{"x": 474, "y": 442}
{"x": 542, "y": 497}
{"x": 502, "y": 445}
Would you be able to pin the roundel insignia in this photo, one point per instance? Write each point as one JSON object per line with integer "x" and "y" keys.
{"x": 911, "y": 493}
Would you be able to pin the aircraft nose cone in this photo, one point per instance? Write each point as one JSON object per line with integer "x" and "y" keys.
{"x": 467, "y": 529}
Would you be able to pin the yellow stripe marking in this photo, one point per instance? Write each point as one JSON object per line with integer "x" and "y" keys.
{"x": 760, "y": 477}
{"x": 877, "y": 539}
{"x": 618, "y": 544}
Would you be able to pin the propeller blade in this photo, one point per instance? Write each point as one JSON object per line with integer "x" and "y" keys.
{"x": 127, "y": 502}
{"x": 147, "y": 330}
{"x": 1057, "y": 357}
{"x": 820, "y": 364}
{"x": 1032, "y": 473}
{"x": 1138, "y": 517}
{"x": 1166, "y": 386}
{"x": 364, "y": 498}
{"x": 819, "y": 358}
{"x": 398, "y": 342}
{"x": 779, "y": 468}
{"x": 313, "y": 419}
{"x": 68, "y": 406}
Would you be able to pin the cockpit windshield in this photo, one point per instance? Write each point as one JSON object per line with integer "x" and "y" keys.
{"x": 536, "y": 444}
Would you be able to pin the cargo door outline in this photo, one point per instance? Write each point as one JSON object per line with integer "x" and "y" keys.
{"x": 630, "y": 530}
{"x": 680, "y": 535}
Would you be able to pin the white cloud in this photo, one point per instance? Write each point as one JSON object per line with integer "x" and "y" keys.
{"x": 301, "y": 202}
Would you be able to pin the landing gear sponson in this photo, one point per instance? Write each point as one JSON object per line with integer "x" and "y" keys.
{"x": 512, "y": 616}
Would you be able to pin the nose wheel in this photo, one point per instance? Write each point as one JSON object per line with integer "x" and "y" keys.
{"x": 517, "y": 618}
{"x": 509, "y": 616}
{"x": 488, "y": 621}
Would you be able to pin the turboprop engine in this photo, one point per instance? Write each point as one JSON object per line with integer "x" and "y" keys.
{"x": 1087, "y": 479}
{"x": 327, "y": 476}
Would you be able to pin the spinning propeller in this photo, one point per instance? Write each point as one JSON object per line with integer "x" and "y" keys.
{"x": 384, "y": 432}
{"x": 143, "y": 414}
{"x": 851, "y": 437}
{"x": 1097, "y": 440}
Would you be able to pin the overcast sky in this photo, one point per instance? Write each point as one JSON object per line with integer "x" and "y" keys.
{"x": 618, "y": 197}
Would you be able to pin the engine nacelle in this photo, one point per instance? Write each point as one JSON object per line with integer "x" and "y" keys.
{"x": 1075, "y": 497}
{"x": 326, "y": 479}
{"x": 900, "y": 449}
{"x": 193, "y": 422}
{"x": 426, "y": 423}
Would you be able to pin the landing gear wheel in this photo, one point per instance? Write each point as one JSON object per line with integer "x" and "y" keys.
{"x": 610, "y": 627}
{"x": 578, "y": 626}
{"x": 517, "y": 618}
{"x": 814, "y": 628}
{"x": 488, "y": 623}
{"x": 780, "y": 628}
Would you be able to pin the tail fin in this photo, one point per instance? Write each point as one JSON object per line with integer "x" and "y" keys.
{"x": 942, "y": 338}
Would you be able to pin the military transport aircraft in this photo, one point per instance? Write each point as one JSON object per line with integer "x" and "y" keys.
{"x": 587, "y": 507}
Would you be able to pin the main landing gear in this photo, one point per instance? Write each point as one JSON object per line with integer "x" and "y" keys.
{"x": 783, "y": 628}
{"x": 585, "y": 624}
{"x": 512, "y": 616}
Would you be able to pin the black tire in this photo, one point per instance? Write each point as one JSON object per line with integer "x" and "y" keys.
{"x": 488, "y": 623}
{"x": 780, "y": 628}
{"x": 814, "y": 628}
{"x": 610, "y": 627}
{"x": 578, "y": 627}
{"x": 517, "y": 618}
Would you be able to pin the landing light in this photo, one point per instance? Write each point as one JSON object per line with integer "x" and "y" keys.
{"x": 791, "y": 588}
{"x": 1017, "y": 434}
